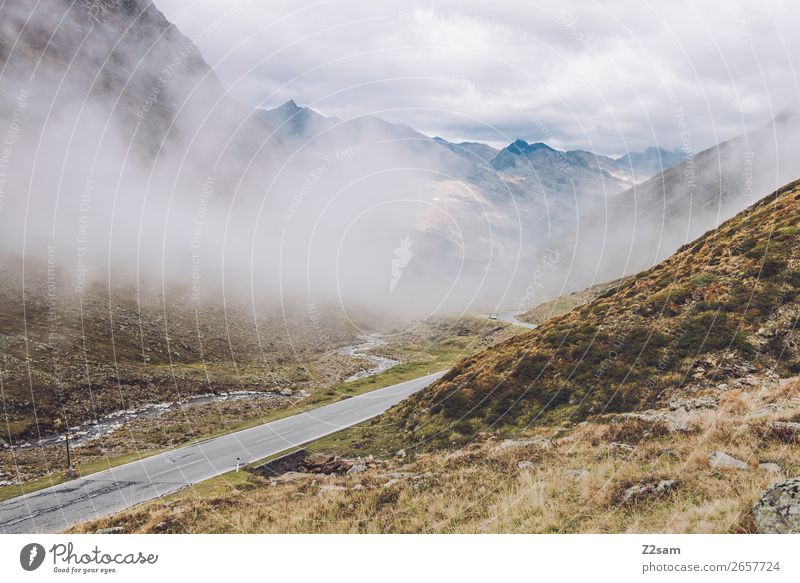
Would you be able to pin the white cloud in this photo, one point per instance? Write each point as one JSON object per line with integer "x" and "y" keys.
{"x": 583, "y": 75}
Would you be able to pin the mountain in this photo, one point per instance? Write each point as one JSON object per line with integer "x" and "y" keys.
{"x": 715, "y": 315}
{"x": 121, "y": 134}
{"x": 577, "y": 173}
{"x": 121, "y": 64}
{"x": 296, "y": 123}
{"x": 307, "y": 128}
{"x": 477, "y": 209}
{"x": 467, "y": 225}
{"x": 123, "y": 153}
{"x": 549, "y": 432}
{"x": 645, "y": 224}
{"x": 651, "y": 161}
{"x": 125, "y": 140}
{"x": 476, "y": 152}
{"x": 514, "y": 155}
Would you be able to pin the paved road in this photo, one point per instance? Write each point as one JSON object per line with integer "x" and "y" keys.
{"x": 511, "y": 318}
{"x": 59, "y": 507}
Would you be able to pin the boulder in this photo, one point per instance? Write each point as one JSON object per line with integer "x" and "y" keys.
{"x": 110, "y": 530}
{"x": 398, "y": 475}
{"x": 576, "y": 473}
{"x": 770, "y": 467}
{"x": 778, "y": 509}
{"x": 647, "y": 491}
{"x": 722, "y": 461}
{"x": 525, "y": 465}
{"x": 357, "y": 469}
{"x": 541, "y": 442}
{"x": 293, "y": 477}
{"x": 708, "y": 402}
{"x": 617, "y": 447}
{"x": 287, "y": 392}
{"x": 672, "y": 421}
{"x": 325, "y": 464}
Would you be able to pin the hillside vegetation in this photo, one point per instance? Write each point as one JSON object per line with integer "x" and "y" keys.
{"x": 566, "y": 303}
{"x": 77, "y": 358}
{"x": 656, "y": 407}
{"x": 598, "y": 477}
{"x": 721, "y": 308}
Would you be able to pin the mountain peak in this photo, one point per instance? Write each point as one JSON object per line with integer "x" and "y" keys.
{"x": 652, "y": 159}
{"x": 523, "y": 148}
{"x": 289, "y": 107}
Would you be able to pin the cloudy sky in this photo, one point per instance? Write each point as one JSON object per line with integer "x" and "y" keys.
{"x": 606, "y": 76}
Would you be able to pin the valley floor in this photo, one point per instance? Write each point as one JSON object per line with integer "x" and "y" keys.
{"x": 695, "y": 467}
{"x": 428, "y": 348}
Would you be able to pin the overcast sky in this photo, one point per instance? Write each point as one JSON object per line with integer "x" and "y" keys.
{"x": 606, "y": 76}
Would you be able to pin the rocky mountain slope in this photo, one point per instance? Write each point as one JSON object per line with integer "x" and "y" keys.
{"x": 124, "y": 63}
{"x": 118, "y": 133}
{"x": 647, "y": 223}
{"x": 574, "y": 173}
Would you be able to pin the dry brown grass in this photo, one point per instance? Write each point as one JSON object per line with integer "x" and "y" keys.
{"x": 575, "y": 486}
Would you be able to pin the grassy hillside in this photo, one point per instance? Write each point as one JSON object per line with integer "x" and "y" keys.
{"x": 76, "y": 358}
{"x": 675, "y": 372}
{"x": 145, "y": 374}
{"x": 597, "y": 477}
{"x": 566, "y": 303}
{"x": 719, "y": 309}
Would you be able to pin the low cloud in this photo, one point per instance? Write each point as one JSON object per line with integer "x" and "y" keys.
{"x": 609, "y": 77}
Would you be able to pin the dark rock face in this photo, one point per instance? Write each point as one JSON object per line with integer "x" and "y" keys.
{"x": 304, "y": 462}
{"x": 285, "y": 463}
{"x": 778, "y": 509}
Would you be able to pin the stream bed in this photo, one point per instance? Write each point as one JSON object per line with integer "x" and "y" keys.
{"x": 379, "y": 363}
{"x": 113, "y": 421}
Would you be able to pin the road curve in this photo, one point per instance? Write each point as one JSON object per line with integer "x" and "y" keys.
{"x": 58, "y": 507}
{"x": 511, "y": 318}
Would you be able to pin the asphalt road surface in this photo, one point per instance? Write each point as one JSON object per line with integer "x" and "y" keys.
{"x": 56, "y": 508}
{"x": 511, "y": 318}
